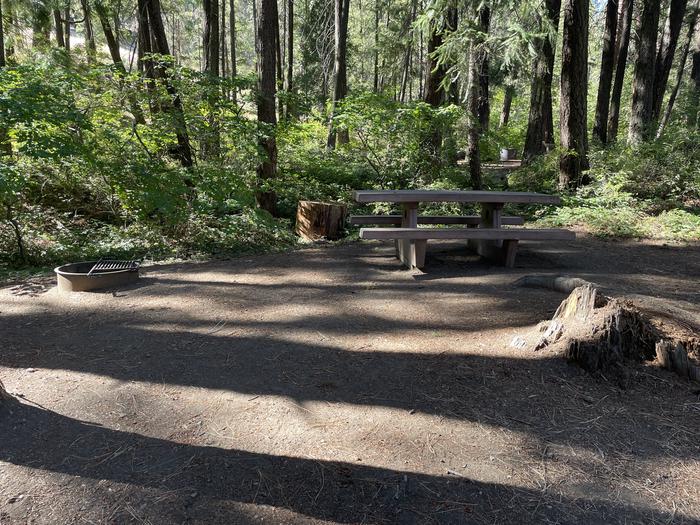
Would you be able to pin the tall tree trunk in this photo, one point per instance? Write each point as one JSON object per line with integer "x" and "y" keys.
{"x": 574, "y": 87}
{"x": 477, "y": 59}
{"x": 483, "y": 102}
{"x": 340, "y": 80}
{"x": 90, "y": 46}
{"x": 408, "y": 52}
{"x": 267, "y": 113}
{"x": 232, "y": 37}
{"x": 144, "y": 64}
{"x": 67, "y": 23}
{"x": 540, "y": 122}
{"x": 679, "y": 75}
{"x": 607, "y": 65}
{"x": 223, "y": 52}
{"x": 159, "y": 42}
{"x": 110, "y": 37}
{"x": 507, "y": 103}
{"x": 641, "y": 126}
{"x": 115, "y": 53}
{"x": 289, "y": 79}
{"x": 3, "y": 60}
{"x": 666, "y": 52}
{"x": 375, "y": 80}
{"x": 694, "y": 117}
{"x": 435, "y": 73}
{"x": 624, "y": 27}
{"x": 58, "y": 26}
{"x": 41, "y": 25}
{"x": 435, "y": 95}
{"x": 210, "y": 41}
{"x": 5, "y": 145}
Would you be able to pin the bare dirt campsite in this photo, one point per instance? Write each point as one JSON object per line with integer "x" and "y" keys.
{"x": 328, "y": 385}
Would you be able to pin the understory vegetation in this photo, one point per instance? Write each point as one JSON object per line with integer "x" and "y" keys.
{"x": 83, "y": 185}
{"x": 174, "y": 154}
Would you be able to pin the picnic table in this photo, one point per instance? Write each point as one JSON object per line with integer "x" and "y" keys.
{"x": 484, "y": 232}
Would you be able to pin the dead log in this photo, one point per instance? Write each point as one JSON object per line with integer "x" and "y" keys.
{"x": 319, "y": 220}
{"x": 557, "y": 283}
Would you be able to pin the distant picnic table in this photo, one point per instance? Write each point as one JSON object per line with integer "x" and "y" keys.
{"x": 484, "y": 232}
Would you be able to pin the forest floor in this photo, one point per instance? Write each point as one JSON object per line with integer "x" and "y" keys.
{"x": 328, "y": 385}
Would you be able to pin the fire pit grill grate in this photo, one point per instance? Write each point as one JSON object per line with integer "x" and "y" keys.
{"x": 110, "y": 265}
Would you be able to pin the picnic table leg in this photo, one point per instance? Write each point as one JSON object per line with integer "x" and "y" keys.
{"x": 502, "y": 253}
{"x": 411, "y": 251}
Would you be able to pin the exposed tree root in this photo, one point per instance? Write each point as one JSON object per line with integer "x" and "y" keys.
{"x": 557, "y": 283}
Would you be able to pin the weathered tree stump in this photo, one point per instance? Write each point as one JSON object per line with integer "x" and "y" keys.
{"x": 3, "y": 393}
{"x": 318, "y": 220}
{"x": 602, "y": 334}
{"x": 675, "y": 356}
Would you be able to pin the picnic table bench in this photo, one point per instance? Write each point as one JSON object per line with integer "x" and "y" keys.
{"x": 484, "y": 232}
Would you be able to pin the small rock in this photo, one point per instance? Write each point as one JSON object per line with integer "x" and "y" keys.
{"x": 31, "y": 370}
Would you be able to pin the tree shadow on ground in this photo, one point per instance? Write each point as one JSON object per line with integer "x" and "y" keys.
{"x": 203, "y": 483}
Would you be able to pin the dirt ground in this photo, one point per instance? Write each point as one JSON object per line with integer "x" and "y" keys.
{"x": 328, "y": 385}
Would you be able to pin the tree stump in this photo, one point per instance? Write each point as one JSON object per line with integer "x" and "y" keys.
{"x": 318, "y": 220}
{"x": 602, "y": 334}
{"x": 3, "y": 393}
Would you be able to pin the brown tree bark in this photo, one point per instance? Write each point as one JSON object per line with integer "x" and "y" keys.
{"x": 694, "y": 117}
{"x": 144, "y": 64}
{"x": 267, "y": 113}
{"x": 574, "y": 86}
{"x": 607, "y": 65}
{"x": 540, "y": 123}
{"x": 624, "y": 26}
{"x": 408, "y": 52}
{"x": 483, "y": 102}
{"x": 640, "y": 125}
{"x": 375, "y": 79}
{"x": 5, "y": 145}
{"x": 223, "y": 51}
{"x": 110, "y": 37}
{"x": 3, "y": 60}
{"x": 210, "y": 41}
{"x": 58, "y": 27}
{"x": 159, "y": 42}
{"x": 679, "y": 75}
{"x": 289, "y": 78}
{"x": 666, "y": 52}
{"x": 90, "y": 46}
{"x": 211, "y": 45}
{"x": 115, "y": 53}
{"x": 232, "y": 37}
{"x": 435, "y": 95}
{"x": 66, "y": 26}
{"x": 507, "y": 103}
{"x": 477, "y": 59}
{"x": 340, "y": 80}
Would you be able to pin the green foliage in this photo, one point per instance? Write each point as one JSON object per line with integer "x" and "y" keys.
{"x": 651, "y": 191}
{"x": 86, "y": 181}
{"x": 391, "y": 147}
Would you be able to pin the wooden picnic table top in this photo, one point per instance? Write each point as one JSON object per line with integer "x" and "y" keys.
{"x": 488, "y": 197}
